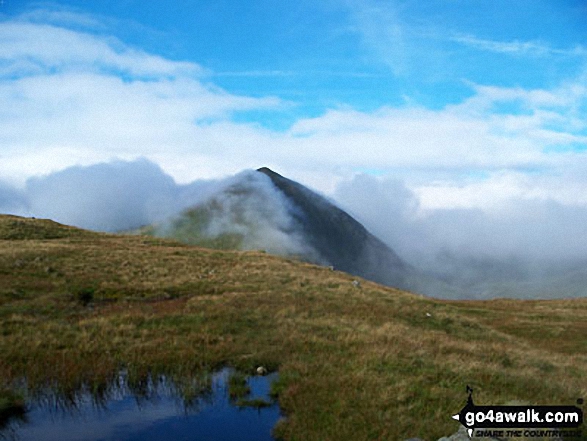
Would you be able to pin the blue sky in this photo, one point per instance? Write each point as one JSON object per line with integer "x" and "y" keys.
{"x": 365, "y": 54}
{"x": 469, "y": 102}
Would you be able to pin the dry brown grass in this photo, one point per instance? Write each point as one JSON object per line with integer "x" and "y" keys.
{"x": 354, "y": 363}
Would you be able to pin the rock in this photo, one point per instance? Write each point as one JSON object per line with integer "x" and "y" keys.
{"x": 462, "y": 435}
{"x": 356, "y": 284}
{"x": 459, "y": 435}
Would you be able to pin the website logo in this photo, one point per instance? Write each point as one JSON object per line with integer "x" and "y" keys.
{"x": 512, "y": 421}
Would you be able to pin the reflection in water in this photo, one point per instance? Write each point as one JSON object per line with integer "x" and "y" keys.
{"x": 149, "y": 410}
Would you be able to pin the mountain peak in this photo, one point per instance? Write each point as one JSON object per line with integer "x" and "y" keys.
{"x": 267, "y": 171}
{"x": 339, "y": 238}
{"x": 284, "y": 217}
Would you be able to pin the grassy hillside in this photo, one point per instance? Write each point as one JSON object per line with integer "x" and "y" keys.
{"x": 190, "y": 227}
{"x": 355, "y": 362}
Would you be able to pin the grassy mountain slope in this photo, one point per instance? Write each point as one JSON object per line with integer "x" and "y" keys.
{"x": 189, "y": 228}
{"x": 244, "y": 213}
{"x": 355, "y": 362}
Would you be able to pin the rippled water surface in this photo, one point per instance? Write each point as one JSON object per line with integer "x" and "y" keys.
{"x": 156, "y": 414}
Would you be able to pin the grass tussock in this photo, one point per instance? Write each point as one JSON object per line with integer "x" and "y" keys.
{"x": 355, "y": 363}
{"x": 237, "y": 386}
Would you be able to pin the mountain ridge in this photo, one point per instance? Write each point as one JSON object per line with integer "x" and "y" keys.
{"x": 340, "y": 238}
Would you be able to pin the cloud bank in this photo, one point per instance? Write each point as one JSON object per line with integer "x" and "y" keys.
{"x": 536, "y": 229}
{"x": 122, "y": 196}
{"x": 106, "y": 197}
{"x": 76, "y": 95}
{"x": 518, "y": 247}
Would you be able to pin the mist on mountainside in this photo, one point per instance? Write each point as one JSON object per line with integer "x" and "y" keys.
{"x": 523, "y": 248}
{"x": 243, "y": 212}
{"x": 527, "y": 248}
{"x": 262, "y": 210}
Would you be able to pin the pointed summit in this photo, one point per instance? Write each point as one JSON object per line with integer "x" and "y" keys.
{"x": 266, "y": 170}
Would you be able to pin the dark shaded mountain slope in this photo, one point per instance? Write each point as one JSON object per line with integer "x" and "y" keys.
{"x": 340, "y": 239}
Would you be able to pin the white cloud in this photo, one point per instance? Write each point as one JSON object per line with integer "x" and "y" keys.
{"x": 382, "y": 30}
{"x": 468, "y": 135}
{"x": 71, "y": 97}
{"x": 50, "y": 48}
{"x": 516, "y": 47}
{"x": 113, "y": 196}
{"x": 60, "y": 16}
{"x": 496, "y": 191}
{"x": 424, "y": 43}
